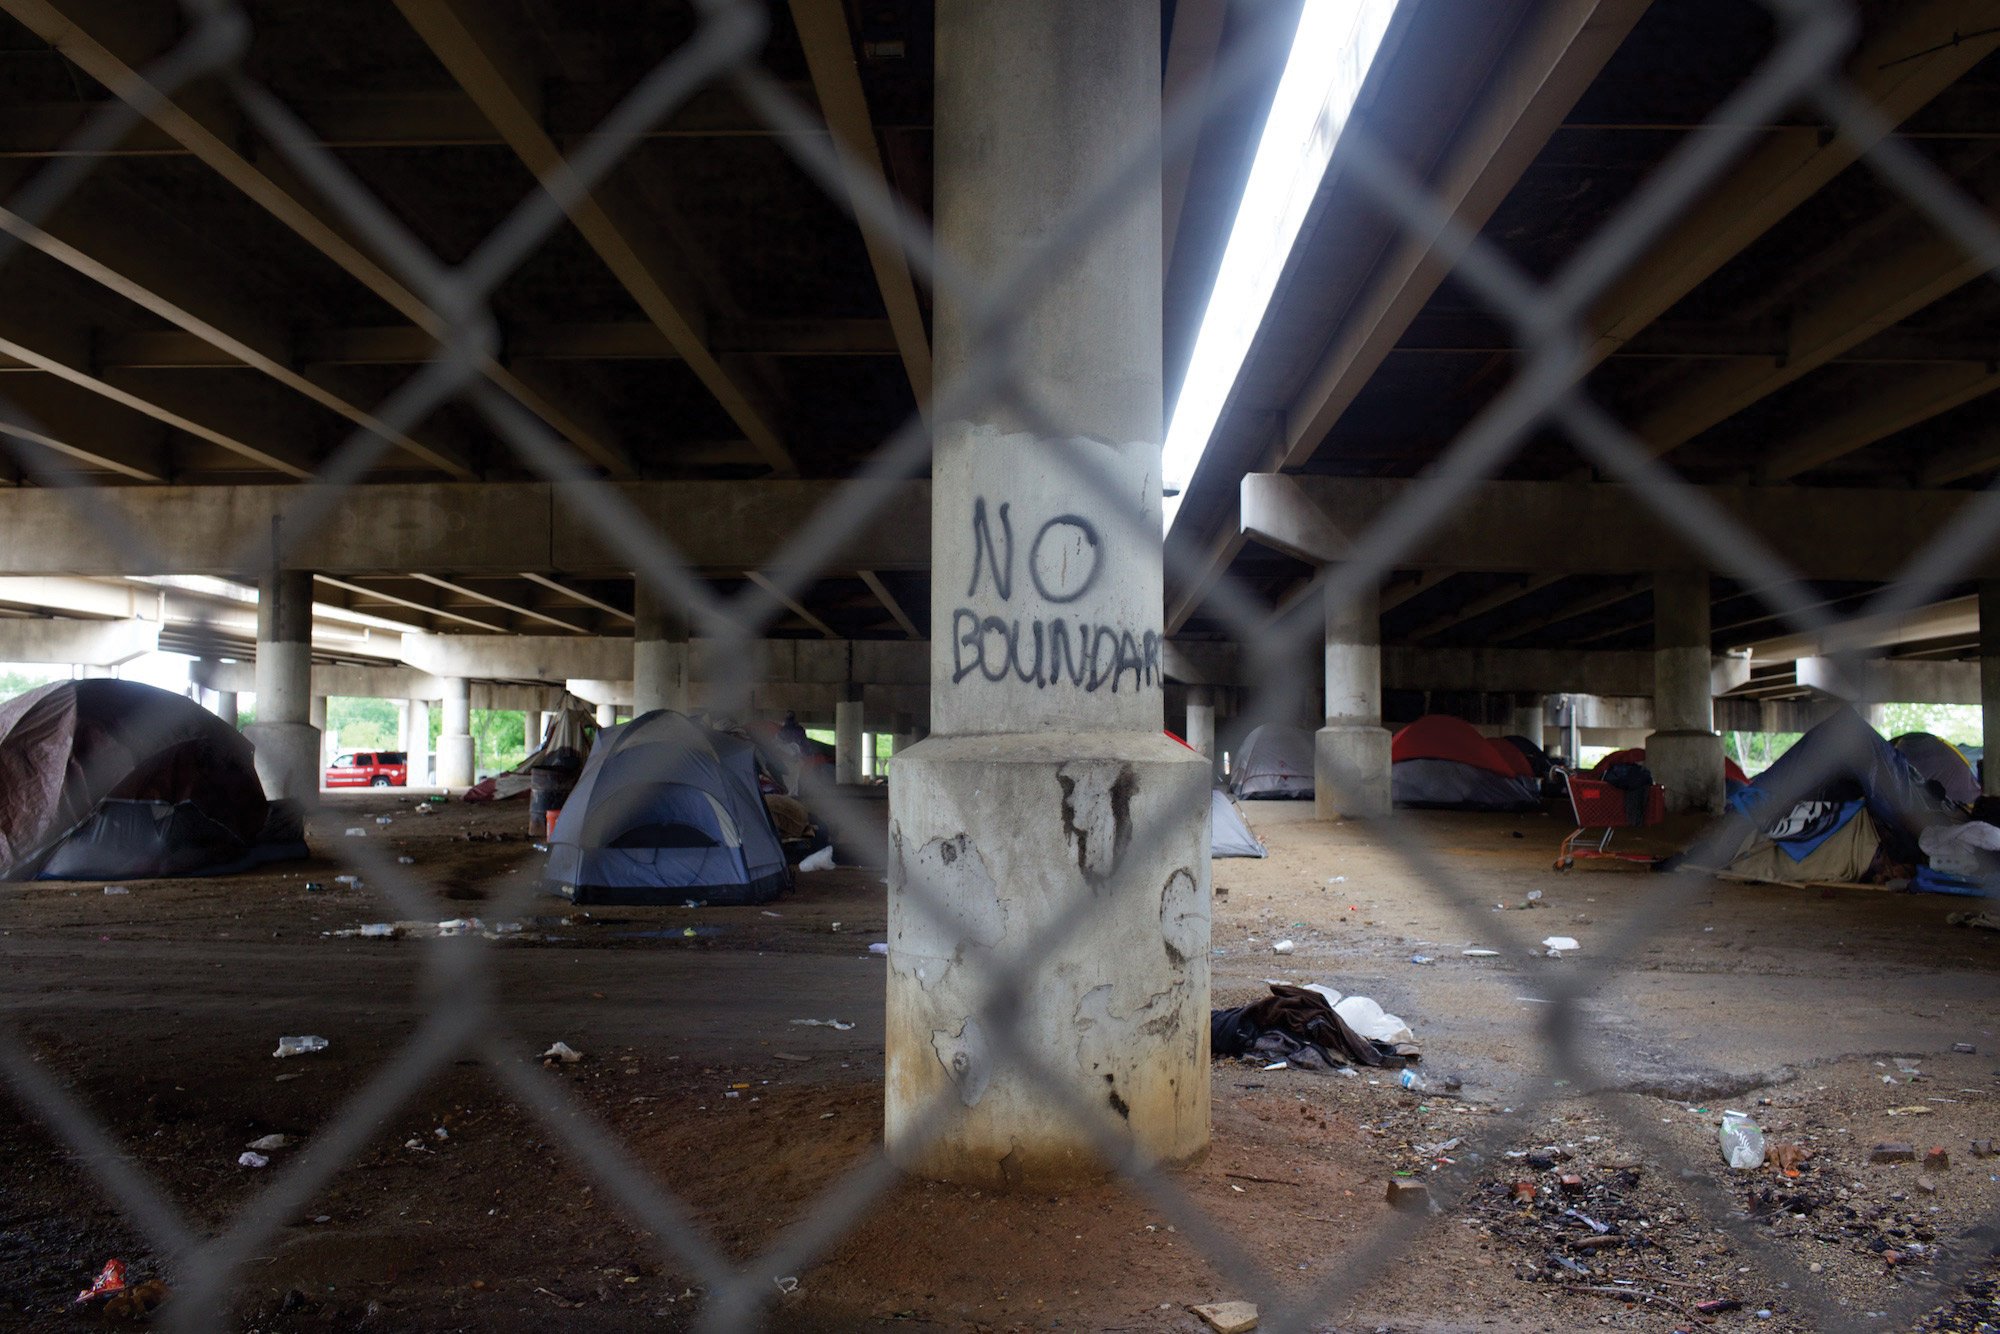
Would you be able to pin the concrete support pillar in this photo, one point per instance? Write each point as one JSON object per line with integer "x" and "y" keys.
{"x": 659, "y": 654}
{"x": 1684, "y": 752}
{"x": 1046, "y": 824}
{"x": 847, "y": 736}
{"x": 417, "y": 739}
{"x": 1351, "y": 752}
{"x": 454, "y": 759}
{"x": 607, "y": 715}
{"x": 1989, "y": 684}
{"x": 286, "y": 738}
{"x": 1201, "y": 721}
{"x": 225, "y": 706}
{"x": 89, "y": 671}
{"x": 1526, "y": 718}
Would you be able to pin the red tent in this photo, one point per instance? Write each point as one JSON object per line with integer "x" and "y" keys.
{"x": 1637, "y": 755}
{"x": 1438, "y": 736}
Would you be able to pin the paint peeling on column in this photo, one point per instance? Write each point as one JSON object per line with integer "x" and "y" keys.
{"x": 1097, "y": 817}
{"x": 964, "y": 1057}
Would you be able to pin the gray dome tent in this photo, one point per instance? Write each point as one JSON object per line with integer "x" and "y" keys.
{"x": 667, "y": 810}
{"x": 1276, "y": 761}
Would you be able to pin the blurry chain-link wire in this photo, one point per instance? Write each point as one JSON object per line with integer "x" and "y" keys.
{"x": 1550, "y": 323}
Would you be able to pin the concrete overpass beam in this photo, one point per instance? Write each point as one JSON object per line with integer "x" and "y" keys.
{"x": 77, "y": 642}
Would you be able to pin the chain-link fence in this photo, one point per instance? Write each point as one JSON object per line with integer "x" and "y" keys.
{"x": 1552, "y": 337}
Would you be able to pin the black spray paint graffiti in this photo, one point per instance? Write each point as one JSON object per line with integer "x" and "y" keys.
{"x": 1064, "y": 562}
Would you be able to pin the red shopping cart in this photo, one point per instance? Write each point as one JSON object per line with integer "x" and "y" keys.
{"x": 1602, "y": 810}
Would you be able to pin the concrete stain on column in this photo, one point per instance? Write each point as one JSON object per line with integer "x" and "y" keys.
{"x": 1097, "y": 816}
{"x": 965, "y": 1058}
{"x": 1183, "y": 917}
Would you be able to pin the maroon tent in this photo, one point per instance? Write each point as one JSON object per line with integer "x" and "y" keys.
{"x": 119, "y": 778}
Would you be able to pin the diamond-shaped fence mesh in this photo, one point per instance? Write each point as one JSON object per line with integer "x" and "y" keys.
{"x": 210, "y": 1259}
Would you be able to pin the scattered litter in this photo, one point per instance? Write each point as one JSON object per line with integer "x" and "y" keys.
{"x": 248, "y": 1159}
{"x": 1892, "y": 1151}
{"x": 442, "y": 1133}
{"x": 1963, "y": 1048}
{"x": 1338, "y": 880}
{"x": 1480, "y": 954}
{"x": 1937, "y": 1160}
{"x": 116, "y": 889}
{"x": 1985, "y": 921}
{"x": 823, "y": 1023}
{"x": 879, "y": 947}
{"x": 1917, "y": 1110}
{"x": 561, "y": 1054}
{"x": 300, "y": 1046}
{"x": 383, "y": 819}
{"x": 1718, "y": 1305}
{"x": 787, "y": 1285}
{"x": 1787, "y": 1157}
{"x": 314, "y": 887}
{"x": 1422, "y": 959}
{"x": 109, "y": 1279}
{"x": 1228, "y": 1317}
{"x": 353, "y": 881}
{"x": 1283, "y": 947}
{"x": 1371, "y": 1021}
{"x": 1410, "y": 1079}
{"x": 1742, "y": 1142}
{"x": 1982, "y": 1148}
{"x": 426, "y": 810}
{"x": 1534, "y": 896}
{"x": 376, "y": 931}
{"x": 357, "y": 832}
{"x": 269, "y": 1144}
{"x": 819, "y": 861}
{"x": 769, "y": 913}
{"x": 1557, "y": 945}
{"x": 1279, "y": 1065}
{"x": 406, "y": 861}
{"x": 1599, "y": 1228}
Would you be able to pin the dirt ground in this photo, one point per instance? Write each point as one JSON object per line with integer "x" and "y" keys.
{"x": 1582, "y": 1192}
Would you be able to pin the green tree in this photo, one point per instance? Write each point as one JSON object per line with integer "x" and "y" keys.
{"x": 362, "y": 724}
{"x": 499, "y": 739}
{"x": 20, "y": 683}
{"x": 1959, "y": 724}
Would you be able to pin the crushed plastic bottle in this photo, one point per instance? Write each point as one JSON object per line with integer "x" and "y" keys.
{"x": 1410, "y": 1079}
{"x": 300, "y": 1046}
{"x": 1742, "y": 1142}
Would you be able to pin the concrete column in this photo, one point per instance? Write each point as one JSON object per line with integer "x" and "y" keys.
{"x": 454, "y": 761}
{"x": 1046, "y": 782}
{"x": 90, "y": 671}
{"x": 286, "y": 738}
{"x": 659, "y": 654}
{"x": 1201, "y": 721}
{"x": 225, "y": 706}
{"x": 1989, "y": 684}
{"x": 1351, "y": 752}
{"x": 417, "y": 740}
{"x": 607, "y": 715}
{"x": 847, "y": 737}
{"x": 1527, "y": 718}
{"x": 1684, "y": 752}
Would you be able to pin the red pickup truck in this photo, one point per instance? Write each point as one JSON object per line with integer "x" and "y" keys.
{"x": 370, "y": 768}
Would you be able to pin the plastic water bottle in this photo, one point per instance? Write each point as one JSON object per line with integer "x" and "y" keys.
{"x": 1742, "y": 1142}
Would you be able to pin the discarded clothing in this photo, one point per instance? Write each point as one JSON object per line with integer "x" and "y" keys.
{"x": 1956, "y": 850}
{"x": 1297, "y": 1025}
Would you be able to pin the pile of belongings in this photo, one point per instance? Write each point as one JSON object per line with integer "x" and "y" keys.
{"x": 566, "y": 745}
{"x": 1312, "y": 1027}
{"x": 1844, "y": 805}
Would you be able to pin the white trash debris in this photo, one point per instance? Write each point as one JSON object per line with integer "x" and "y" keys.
{"x": 300, "y": 1046}
{"x": 819, "y": 861}
{"x": 383, "y": 819}
{"x": 1332, "y": 996}
{"x": 270, "y": 1143}
{"x": 252, "y": 1160}
{"x": 562, "y": 1053}
{"x": 1742, "y": 1142}
{"x": 357, "y": 832}
{"x": 1557, "y": 945}
{"x": 1480, "y": 954}
{"x": 1283, "y": 947}
{"x": 823, "y": 1023}
{"x": 879, "y": 947}
{"x": 1371, "y": 1021}
{"x": 354, "y": 880}
{"x": 406, "y": 861}
{"x": 377, "y": 931}
{"x": 116, "y": 889}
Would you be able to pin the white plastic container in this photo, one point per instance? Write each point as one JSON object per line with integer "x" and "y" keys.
{"x": 1742, "y": 1142}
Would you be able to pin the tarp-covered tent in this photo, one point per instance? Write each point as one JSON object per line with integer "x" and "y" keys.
{"x": 114, "y": 780}
{"x": 1441, "y": 761}
{"x": 1942, "y": 763}
{"x": 1228, "y": 834}
{"x": 567, "y": 740}
{"x": 667, "y": 810}
{"x": 1824, "y": 808}
{"x": 1275, "y": 762}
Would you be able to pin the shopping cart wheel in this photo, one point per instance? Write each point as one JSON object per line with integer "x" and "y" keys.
{"x": 1564, "y": 863}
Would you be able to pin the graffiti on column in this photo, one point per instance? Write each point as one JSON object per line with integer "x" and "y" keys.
{"x": 1063, "y": 561}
